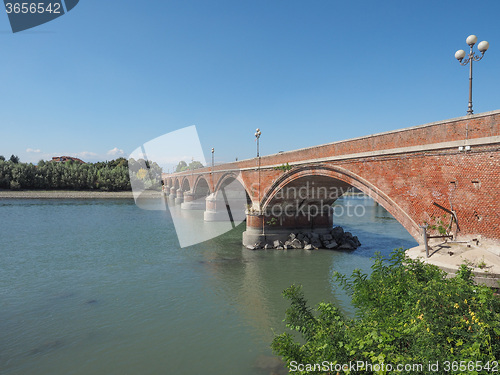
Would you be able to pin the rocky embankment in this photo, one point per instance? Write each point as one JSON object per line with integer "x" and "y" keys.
{"x": 336, "y": 239}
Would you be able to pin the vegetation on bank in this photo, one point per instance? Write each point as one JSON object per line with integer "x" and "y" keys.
{"x": 114, "y": 175}
{"x": 408, "y": 312}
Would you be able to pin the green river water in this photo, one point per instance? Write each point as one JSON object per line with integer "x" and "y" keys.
{"x": 101, "y": 287}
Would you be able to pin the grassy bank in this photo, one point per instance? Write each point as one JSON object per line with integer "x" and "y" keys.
{"x": 64, "y": 194}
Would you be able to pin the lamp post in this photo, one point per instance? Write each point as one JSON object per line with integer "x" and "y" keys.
{"x": 257, "y": 136}
{"x": 460, "y": 55}
{"x": 213, "y": 150}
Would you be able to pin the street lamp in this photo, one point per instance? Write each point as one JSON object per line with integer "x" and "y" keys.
{"x": 213, "y": 150}
{"x": 460, "y": 54}
{"x": 257, "y": 136}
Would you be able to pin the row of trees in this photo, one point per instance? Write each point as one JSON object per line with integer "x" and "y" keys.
{"x": 111, "y": 175}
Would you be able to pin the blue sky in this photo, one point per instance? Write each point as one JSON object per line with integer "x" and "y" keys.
{"x": 111, "y": 75}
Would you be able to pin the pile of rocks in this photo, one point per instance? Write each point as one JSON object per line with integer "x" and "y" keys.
{"x": 336, "y": 239}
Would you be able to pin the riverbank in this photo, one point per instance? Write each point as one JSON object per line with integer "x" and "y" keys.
{"x": 448, "y": 256}
{"x": 64, "y": 194}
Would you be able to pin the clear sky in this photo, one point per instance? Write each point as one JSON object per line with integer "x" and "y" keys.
{"x": 111, "y": 75}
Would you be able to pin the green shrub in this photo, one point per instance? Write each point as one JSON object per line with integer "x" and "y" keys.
{"x": 408, "y": 312}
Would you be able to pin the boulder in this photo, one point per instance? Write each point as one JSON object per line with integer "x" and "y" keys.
{"x": 332, "y": 245}
{"x": 300, "y": 236}
{"x": 250, "y": 247}
{"x": 292, "y": 236}
{"x": 316, "y": 243}
{"x": 296, "y": 244}
{"x": 308, "y": 247}
{"x": 277, "y": 244}
{"x": 314, "y": 235}
{"x": 326, "y": 237}
{"x": 337, "y": 232}
{"x": 356, "y": 240}
{"x": 346, "y": 246}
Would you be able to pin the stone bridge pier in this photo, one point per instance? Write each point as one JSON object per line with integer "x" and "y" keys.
{"x": 226, "y": 206}
{"x": 192, "y": 201}
{"x": 266, "y": 228}
{"x": 302, "y": 203}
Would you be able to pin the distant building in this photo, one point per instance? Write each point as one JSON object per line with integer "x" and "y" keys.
{"x": 62, "y": 159}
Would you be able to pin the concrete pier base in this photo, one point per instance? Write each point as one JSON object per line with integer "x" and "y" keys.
{"x": 192, "y": 202}
{"x": 223, "y": 215}
{"x": 198, "y": 204}
{"x": 179, "y": 197}
{"x": 226, "y": 208}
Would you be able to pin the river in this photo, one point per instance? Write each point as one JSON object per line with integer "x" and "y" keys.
{"x": 102, "y": 287}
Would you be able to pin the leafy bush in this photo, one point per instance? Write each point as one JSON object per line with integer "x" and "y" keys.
{"x": 408, "y": 312}
{"x": 284, "y": 167}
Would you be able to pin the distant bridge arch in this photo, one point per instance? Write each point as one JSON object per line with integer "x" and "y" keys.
{"x": 185, "y": 184}
{"x": 201, "y": 188}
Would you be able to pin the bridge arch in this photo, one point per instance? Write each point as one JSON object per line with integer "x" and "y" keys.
{"x": 201, "y": 187}
{"x": 177, "y": 184}
{"x": 229, "y": 200}
{"x": 185, "y": 184}
{"x": 341, "y": 179}
{"x": 228, "y": 178}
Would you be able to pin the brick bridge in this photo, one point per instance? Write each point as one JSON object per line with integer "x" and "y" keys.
{"x": 454, "y": 164}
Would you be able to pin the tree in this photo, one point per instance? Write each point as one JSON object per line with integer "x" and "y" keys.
{"x": 408, "y": 312}
{"x": 2, "y": 158}
{"x": 14, "y": 159}
{"x": 181, "y": 166}
{"x": 5, "y": 174}
{"x": 195, "y": 165}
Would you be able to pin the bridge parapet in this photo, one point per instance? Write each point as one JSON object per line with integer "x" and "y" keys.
{"x": 474, "y": 130}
